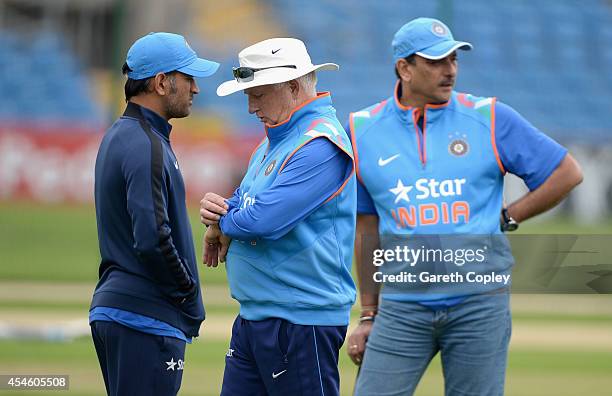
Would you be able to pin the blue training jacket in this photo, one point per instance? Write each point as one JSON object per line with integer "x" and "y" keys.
{"x": 304, "y": 274}
{"x": 148, "y": 262}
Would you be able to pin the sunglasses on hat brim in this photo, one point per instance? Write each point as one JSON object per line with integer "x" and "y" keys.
{"x": 245, "y": 74}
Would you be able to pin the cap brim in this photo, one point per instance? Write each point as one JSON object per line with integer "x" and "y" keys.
{"x": 200, "y": 68}
{"x": 443, "y": 49}
{"x": 271, "y": 76}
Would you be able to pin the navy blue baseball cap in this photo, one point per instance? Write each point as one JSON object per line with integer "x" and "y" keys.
{"x": 426, "y": 37}
{"x": 165, "y": 52}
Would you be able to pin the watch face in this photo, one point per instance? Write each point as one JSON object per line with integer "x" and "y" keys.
{"x": 510, "y": 226}
{"x": 508, "y": 223}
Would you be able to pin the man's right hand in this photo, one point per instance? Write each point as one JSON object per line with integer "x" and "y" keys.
{"x": 212, "y": 207}
{"x": 357, "y": 341}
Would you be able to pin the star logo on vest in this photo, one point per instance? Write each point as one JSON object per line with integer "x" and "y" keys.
{"x": 401, "y": 192}
{"x": 270, "y": 167}
{"x": 458, "y": 145}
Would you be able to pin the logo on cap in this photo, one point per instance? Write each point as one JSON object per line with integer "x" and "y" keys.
{"x": 438, "y": 29}
{"x": 187, "y": 45}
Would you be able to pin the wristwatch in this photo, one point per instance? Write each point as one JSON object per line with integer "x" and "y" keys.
{"x": 508, "y": 223}
{"x": 368, "y": 315}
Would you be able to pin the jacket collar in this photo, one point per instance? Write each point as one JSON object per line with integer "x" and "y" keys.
{"x": 157, "y": 122}
{"x": 318, "y": 105}
{"x": 406, "y": 113}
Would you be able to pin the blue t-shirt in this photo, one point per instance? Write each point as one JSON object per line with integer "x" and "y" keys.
{"x": 137, "y": 322}
{"x": 524, "y": 151}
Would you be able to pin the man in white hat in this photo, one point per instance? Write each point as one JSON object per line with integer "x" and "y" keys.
{"x": 292, "y": 224}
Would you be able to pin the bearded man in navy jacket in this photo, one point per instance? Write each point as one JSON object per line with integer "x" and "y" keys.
{"x": 147, "y": 304}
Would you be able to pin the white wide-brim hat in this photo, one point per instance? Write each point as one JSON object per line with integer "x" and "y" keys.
{"x": 283, "y": 59}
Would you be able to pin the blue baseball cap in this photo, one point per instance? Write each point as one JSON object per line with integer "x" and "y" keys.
{"x": 165, "y": 52}
{"x": 426, "y": 37}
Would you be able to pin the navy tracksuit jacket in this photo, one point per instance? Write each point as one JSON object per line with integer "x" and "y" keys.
{"x": 148, "y": 260}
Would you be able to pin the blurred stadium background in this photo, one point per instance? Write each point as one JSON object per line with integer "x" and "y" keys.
{"x": 60, "y": 64}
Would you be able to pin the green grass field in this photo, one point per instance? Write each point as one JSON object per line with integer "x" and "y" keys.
{"x": 561, "y": 345}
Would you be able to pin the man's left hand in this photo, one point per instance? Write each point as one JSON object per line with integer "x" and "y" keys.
{"x": 357, "y": 342}
{"x": 214, "y": 246}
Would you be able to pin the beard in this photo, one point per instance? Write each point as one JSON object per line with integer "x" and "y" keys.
{"x": 177, "y": 106}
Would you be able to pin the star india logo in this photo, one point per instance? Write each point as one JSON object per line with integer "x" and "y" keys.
{"x": 425, "y": 188}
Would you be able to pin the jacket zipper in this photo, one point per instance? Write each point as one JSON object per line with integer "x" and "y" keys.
{"x": 420, "y": 142}
{"x": 262, "y": 161}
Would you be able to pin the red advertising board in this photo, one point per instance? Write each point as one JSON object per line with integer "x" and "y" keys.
{"x": 59, "y": 166}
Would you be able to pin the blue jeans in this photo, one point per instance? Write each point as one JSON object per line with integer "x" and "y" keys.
{"x": 472, "y": 338}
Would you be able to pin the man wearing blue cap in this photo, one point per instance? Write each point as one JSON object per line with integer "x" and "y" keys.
{"x": 147, "y": 304}
{"x": 431, "y": 161}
